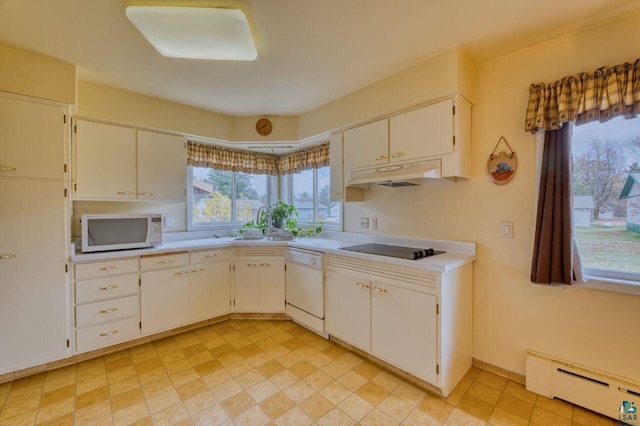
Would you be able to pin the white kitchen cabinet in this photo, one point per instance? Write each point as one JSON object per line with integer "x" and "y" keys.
{"x": 259, "y": 279}
{"x": 366, "y": 145}
{"x": 403, "y": 328}
{"x": 106, "y": 303}
{"x": 162, "y": 166}
{"x": 416, "y": 320}
{"x": 422, "y": 132}
{"x": 347, "y": 308}
{"x": 122, "y": 163}
{"x": 164, "y": 292}
{"x": 33, "y": 290}
{"x": 209, "y": 284}
{"x": 33, "y": 139}
{"x": 105, "y": 163}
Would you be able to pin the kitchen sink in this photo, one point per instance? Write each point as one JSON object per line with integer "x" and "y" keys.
{"x": 250, "y": 238}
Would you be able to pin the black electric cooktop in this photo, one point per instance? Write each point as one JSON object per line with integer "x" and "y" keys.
{"x": 410, "y": 253}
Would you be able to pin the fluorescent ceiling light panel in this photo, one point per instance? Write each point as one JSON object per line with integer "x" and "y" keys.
{"x": 195, "y": 32}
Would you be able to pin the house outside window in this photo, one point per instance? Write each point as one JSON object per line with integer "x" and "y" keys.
{"x": 310, "y": 191}
{"x": 606, "y": 197}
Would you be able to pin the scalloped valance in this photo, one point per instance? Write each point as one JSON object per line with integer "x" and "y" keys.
{"x": 606, "y": 93}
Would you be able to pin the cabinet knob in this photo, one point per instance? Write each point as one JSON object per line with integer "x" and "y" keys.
{"x": 197, "y": 270}
{"x": 109, "y": 333}
{"x": 209, "y": 256}
{"x": 265, "y": 264}
{"x": 108, "y": 268}
{"x": 181, "y": 273}
{"x": 382, "y": 157}
{"x": 145, "y": 194}
{"x": 8, "y": 169}
{"x": 398, "y": 154}
{"x": 108, "y": 311}
{"x": 162, "y": 262}
{"x": 379, "y": 290}
{"x": 252, "y": 265}
{"x": 110, "y": 287}
{"x": 125, "y": 193}
{"x": 9, "y": 256}
{"x": 361, "y": 285}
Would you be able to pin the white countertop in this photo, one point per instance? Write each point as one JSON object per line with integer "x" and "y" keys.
{"x": 457, "y": 253}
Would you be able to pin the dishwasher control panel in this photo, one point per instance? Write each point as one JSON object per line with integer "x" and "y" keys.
{"x": 308, "y": 258}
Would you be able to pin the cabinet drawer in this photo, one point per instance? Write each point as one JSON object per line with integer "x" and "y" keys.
{"x": 106, "y": 268}
{"x": 106, "y": 288}
{"x": 164, "y": 261}
{"x": 107, "y": 334}
{"x": 209, "y": 255}
{"x": 107, "y": 310}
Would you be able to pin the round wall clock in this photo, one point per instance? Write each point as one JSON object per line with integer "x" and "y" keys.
{"x": 264, "y": 126}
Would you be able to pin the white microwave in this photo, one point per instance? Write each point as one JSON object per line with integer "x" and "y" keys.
{"x": 102, "y": 232}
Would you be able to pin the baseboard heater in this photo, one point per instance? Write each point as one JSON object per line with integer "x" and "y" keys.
{"x": 598, "y": 391}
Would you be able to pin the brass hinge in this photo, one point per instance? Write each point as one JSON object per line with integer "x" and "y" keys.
{"x": 437, "y": 309}
{"x": 75, "y": 187}
{"x": 234, "y": 268}
{"x": 65, "y": 193}
{"x": 65, "y": 168}
{"x": 437, "y": 369}
{"x": 75, "y": 129}
{"x": 64, "y": 120}
{"x": 454, "y": 141}
{"x": 454, "y": 110}
{"x": 140, "y": 325}
{"x": 139, "y": 282}
{"x": 68, "y": 343}
{"x": 66, "y": 268}
{"x": 234, "y": 302}
{"x": 285, "y": 267}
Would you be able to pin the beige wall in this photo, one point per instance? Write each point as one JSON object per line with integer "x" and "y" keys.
{"x": 512, "y": 315}
{"x": 30, "y": 74}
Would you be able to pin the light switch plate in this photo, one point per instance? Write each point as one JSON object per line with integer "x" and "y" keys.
{"x": 506, "y": 229}
{"x": 373, "y": 223}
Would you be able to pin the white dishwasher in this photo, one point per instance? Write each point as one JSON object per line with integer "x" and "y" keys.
{"x": 305, "y": 288}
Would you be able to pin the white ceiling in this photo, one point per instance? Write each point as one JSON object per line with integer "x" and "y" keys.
{"x": 310, "y": 52}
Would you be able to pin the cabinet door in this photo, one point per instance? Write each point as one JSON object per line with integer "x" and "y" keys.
{"x": 403, "y": 329}
{"x": 164, "y": 299}
{"x": 367, "y": 145}
{"x": 162, "y": 167}
{"x": 247, "y": 286}
{"x": 336, "y": 168}
{"x": 423, "y": 132}
{"x": 272, "y": 286}
{"x": 33, "y": 295}
{"x": 105, "y": 161}
{"x": 32, "y": 136}
{"x": 347, "y": 309}
{"x": 209, "y": 290}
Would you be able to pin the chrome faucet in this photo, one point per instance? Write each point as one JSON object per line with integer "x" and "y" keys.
{"x": 268, "y": 211}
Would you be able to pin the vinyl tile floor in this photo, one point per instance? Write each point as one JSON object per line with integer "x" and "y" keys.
{"x": 243, "y": 372}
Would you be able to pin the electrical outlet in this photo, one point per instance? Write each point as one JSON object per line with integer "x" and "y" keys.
{"x": 364, "y": 222}
{"x": 506, "y": 229}
{"x": 168, "y": 222}
{"x": 373, "y": 222}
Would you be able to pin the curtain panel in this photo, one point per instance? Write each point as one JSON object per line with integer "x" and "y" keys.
{"x": 606, "y": 93}
{"x": 236, "y": 160}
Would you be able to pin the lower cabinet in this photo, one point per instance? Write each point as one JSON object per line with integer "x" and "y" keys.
{"x": 164, "y": 296}
{"x": 259, "y": 279}
{"x": 416, "y": 320}
{"x": 347, "y": 308}
{"x": 209, "y": 291}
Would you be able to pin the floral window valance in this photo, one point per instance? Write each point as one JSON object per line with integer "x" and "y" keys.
{"x": 606, "y": 93}
{"x": 237, "y": 160}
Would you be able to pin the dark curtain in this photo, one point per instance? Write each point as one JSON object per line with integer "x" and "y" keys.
{"x": 553, "y": 248}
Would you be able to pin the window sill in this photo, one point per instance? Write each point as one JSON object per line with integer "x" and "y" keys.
{"x": 615, "y": 285}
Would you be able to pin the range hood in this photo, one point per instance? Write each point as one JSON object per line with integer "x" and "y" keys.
{"x": 398, "y": 175}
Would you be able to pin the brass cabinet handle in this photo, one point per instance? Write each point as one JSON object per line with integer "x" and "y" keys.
{"x": 209, "y": 256}
{"x": 125, "y": 193}
{"x": 252, "y": 265}
{"x": 382, "y": 157}
{"x": 144, "y": 194}
{"x": 181, "y": 273}
{"x": 8, "y": 169}
{"x": 108, "y": 311}
{"x": 197, "y": 270}
{"x": 109, "y": 333}
{"x": 361, "y": 285}
{"x": 110, "y": 287}
{"x": 108, "y": 268}
{"x": 9, "y": 256}
{"x": 162, "y": 262}
{"x": 265, "y": 264}
{"x": 398, "y": 154}
{"x": 379, "y": 290}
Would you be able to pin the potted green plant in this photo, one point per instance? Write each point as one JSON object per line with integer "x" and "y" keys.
{"x": 283, "y": 217}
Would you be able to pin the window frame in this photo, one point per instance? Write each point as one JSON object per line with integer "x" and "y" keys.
{"x": 287, "y": 186}
{"x": 204, "y": 226}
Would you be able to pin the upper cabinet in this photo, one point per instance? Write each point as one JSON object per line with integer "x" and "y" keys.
{"x": 33, "y": 139}
{"x": 122, "y": 163}
{"x": 440, "y": 130}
